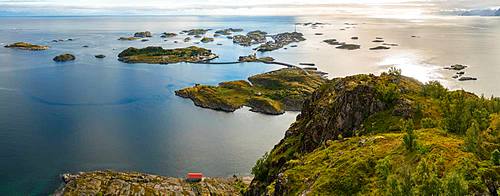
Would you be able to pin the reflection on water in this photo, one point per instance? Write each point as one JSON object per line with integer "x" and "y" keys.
{"x": 101, "y": 113}
{"x": 411, "y": 66}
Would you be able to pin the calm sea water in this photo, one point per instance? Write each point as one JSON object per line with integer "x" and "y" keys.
{"x": 103, "y": 114}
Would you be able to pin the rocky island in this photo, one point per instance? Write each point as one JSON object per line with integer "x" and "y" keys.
{"x": 207, "y": 39}
{"x": 380, "y": 48}
{"x": 281, "y": 40}
{"x": 349, "y": 46}
{"x": 227, "y": 31}
{"x": 271, "y": 93}
{"x": 132, "y": 183}
{"x": 252, "y": 37}
{"x": 196, "y": 32}
{"x": 168, "y": 35}
{"x": 342, "y": 45}
{"x": 143, "y": 34}
{"x": 253, "y": 58}
{"x": 26, "y": 46}
{"x": 128, "y": 38}
{"x": 158, "y": 55}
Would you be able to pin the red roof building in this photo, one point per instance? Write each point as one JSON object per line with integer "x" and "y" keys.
{"x": 194, "y": 177}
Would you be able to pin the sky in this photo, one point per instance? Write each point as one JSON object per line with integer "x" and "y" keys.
{"x": 235, "y": 7}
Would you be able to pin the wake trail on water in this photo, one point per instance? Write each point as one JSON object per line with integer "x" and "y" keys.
{"x": 114, "y": 103}
{"x": 118, "y": 102}
{"x": 8, "y": 89}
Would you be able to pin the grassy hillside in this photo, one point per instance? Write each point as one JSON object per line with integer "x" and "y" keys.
{"x": 386, "y": 135}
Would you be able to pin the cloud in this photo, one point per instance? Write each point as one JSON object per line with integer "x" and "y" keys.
{"x": 229, "y": 7}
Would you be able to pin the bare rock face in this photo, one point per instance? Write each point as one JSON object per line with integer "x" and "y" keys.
{"x": 336, "y": 110}
{"x": 132, "y": 183}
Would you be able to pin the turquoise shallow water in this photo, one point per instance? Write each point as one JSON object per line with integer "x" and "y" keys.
{"x": 103, "y": 114}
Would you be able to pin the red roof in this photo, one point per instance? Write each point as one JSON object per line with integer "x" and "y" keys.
{"x": 194, "y": 175}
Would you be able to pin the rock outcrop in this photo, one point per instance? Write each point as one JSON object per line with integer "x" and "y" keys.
{"x": 128, "y": 38}
{"x": 227, "y": 31}
{"x": 143, "y": 34}
{"x": 196, "y": 32}
{"x": 380, "y": 48}
{"x": 64, "y": 58}
{"x": 132, "y": 183}
{"x": 456, "y": 67}
{"x": 168, "y": 35}
{"x": 26, "y": 46}
{"x": 349, "y": 46}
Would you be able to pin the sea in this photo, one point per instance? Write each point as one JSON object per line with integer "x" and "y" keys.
{"x": 96, "y": 114}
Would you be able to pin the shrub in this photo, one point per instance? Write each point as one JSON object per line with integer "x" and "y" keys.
{"x": 400, "y": 185}
{"x": 426, "y": 178}
{"x": 260, "y": 170}
{"x": 383, "y": 168}
{"x": 434, "y": 89}
{"x": 410, "y": 139}
{"x": 428, "y": 123}
{"x": 495, "y": 157}
{"x": 455, "y": 185}
{"x": 388, "y": 93}
{"x": 456, "y": 114}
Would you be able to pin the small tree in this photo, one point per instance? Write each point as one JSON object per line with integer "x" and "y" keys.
{"x": 410, "y": 139}
{"x": 472, "y": 138}
{"x": 394, "y": 71}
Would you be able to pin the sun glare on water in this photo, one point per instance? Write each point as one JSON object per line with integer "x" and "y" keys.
{"x": 413, "y": 66}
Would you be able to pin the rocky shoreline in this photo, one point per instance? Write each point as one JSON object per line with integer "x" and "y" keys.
{"x": 133, "y": 183}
